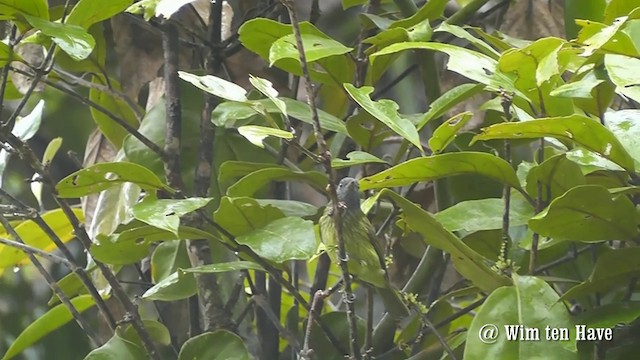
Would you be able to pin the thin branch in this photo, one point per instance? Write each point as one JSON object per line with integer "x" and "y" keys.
{"x": 337, "y": 213}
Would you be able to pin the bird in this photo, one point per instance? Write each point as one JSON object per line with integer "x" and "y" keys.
{"x": 364, "y": 258}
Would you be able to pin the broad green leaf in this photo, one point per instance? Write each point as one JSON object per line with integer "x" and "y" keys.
{"x": 484, "y": 214}
{"x": 463, "y": 34}
{"x": 146, "y": 8}
{"x": 431, "y": 10}
{"x": 587, "y": 213}
{"x": 88, "y": 12}
{"x": 582, "y": 88}
{"x": 447, "y": 131}
{"x": 119, "y": 348}
{"x": 242, "y": 215}
{"x": 584, "y": 131}
{"x": 448, "y": 100}
{"x": 105, "y": 175}
{"x": 255, "y": 134}
{"x": 611, "y": 315}
{"x": 617, "y": 8}
{"x": 71, "y": 285}
{"x": 613, "y": 268}
{"x": 290, "y": 207}
{"x": 283, "y": 239}
{"x": 6, "y": 55}
{"x": 72, "y": 39}
{"x": 603, "y": 36}
{"x": 167, "y": 258}
{"x": 315, "y": 48}
{"x": 590, "y": 162}
{"x": 51, "y": 150}
{"x": 216, "y": 86}
{"x": 557, "y": 174}
{"x": 47, "y": 323}
{"x": 231, "y": 111}
{"x": 166, "y": 8}
{"x": 625, "y": 126}
{"x": 33, "y": 235}
{"x": 468, "y": 63}
{"x": 387, "y": 112}
{"x": 217, "y": 345}
{"x": 258, "y": 35}
{"x": 223, "y": 267}
{"x": 134, "y": 244}
{"x": 109, "y": 128}
{"x": 356, "y": 158}
{"x": 165, "y": 213}
{"x": 467, "y": 262}
{"x": 39, "y": 8}
{"x": 157, "y": 331}
{"x": 624, "y": 72}
{"x": 266, "y": 88}
{"x": 174, "y": 287}
{"x": 530, "y": 303}
{"x": 441, "y": 166}
{"x": 251, "y": 183}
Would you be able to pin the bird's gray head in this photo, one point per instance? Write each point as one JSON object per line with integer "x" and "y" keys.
{"x": 348, "y": 193}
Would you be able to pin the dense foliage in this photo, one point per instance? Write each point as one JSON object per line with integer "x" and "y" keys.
{"x": 202, "y": 187}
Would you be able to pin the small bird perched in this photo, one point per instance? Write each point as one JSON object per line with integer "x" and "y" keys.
{"x": 365, "y": 260}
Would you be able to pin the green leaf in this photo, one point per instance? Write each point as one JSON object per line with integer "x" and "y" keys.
{"x": 39, "y": 8}
{"x": 467, "y": 262}
{"x": 134, "y": 244}
{"x": 431, "y": 10}
{"x": 216, "y": 86}
{"x": 231, "y": 111}
{"x": 624, "y": 72}
{"x": 611, "y": 315}
{"x": 558, "y": 174}
{"x": 356, "y": 158}
{"x": 386, "y": 111}
{"x": 51, "y": 150}
{"x": 336, "y": 322}
{"x": 290, "y": 207}
{"x": 443, "y": 165}
{"x": 72, "y": 39}
{"x": 617, "y": 8}
{"x": 105, "y": 175}
{"x": 484, "y": 214}
{"x": 88, "y": 12}
{"x": 447, "y": 131}
{"x": 614, "y": 267}
{"x": 174, "y": 287}
{"x": 626, "y": 128}
{"x": 587, "y": 213}
{"x": 585, "y": 131}
{"x": 463, "y": 34}
{"x": 217, "y": 345}
{"x": 165, "y": 213}
{"x": 244, "y": 214}
{"x": 146, "y": 8}
{"x": 119, "y": 348}
{"x": 223, "y": 267}
{"x": 167, "y": 258}
{"x": 47, "y": 323}
{"x": 267, "y": 89}
{"x": 255, "y": 134}
{"x": 315, "y": 48}
{"x": 289, "y": 238}
{"x": 33, "y": 235}
{"x": 109, "y": 128}
{"x": 6, "y": 54}
{"x": 530, "y": 303}
{"x": 580, "y": 9}
{"x": 251, "y": 183}
{"x": 448, "y": 100}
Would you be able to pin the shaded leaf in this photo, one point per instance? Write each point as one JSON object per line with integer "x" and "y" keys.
{"x": 105, "y": 175}
{"x": 72, "y": 39}
{"x": 217, "y": 345}
{"x": 47, "y": 323}
{"x": 223, "y": 267}
{"x": 585, "y": 131}
{"x": 587, "y": 213}
{"x": 249, "y": 184}
{"x": 447, "y": 131}
{"x": 244, "y": 214}
{"x": 356, "y": 158}
{"x": 530, "y": 303}
{"x": 165, "y": 213}
{"x": 443, "y": 165}
{"x": 283, "y": 239}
